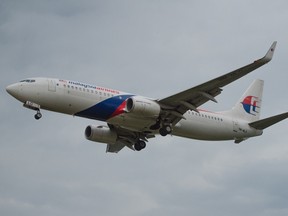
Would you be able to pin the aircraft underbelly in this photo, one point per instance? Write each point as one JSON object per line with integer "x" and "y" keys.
{"x": 203, "y": 130}
{"x": 131, "y": 122}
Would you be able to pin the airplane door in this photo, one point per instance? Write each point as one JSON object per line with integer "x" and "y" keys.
{"x": 52, "y": 85}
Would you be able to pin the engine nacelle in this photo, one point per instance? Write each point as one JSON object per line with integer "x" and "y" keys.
{"x": 142, "y": 107}
{"x": 100, "y": 134}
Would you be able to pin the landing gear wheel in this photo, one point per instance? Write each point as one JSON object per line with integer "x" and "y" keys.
{"x": 142, "y": 144}
{"x": 38, "y": 115}
{"x": 166, "y": 129}
{"x": 139, "y": 145}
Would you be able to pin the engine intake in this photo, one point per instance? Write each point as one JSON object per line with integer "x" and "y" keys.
{"x": 142, "y": 107}
{"x": 100, "y": 134}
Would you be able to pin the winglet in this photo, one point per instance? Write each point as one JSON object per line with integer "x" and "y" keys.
{"x": 270, "y": 52}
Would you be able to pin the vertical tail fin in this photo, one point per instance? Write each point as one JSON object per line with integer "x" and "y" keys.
{"x": 249, "y": 105}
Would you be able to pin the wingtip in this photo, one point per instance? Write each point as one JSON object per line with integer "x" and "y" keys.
{"x": 270, "y": 52}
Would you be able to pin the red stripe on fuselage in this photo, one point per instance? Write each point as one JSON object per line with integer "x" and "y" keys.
{"x": 120, "y": 109}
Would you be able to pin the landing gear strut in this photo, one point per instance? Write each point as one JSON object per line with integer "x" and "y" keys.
{"x": 139, "y": 145}
{"x": 33, "y": 106}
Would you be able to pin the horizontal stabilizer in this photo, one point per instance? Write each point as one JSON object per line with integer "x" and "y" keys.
{"x": 267, "y": 122}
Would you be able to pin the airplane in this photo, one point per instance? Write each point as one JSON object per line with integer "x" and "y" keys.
{"x": 132, "y": 119}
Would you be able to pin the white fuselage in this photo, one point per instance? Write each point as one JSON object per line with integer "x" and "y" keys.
{"x": 104, "y": 104}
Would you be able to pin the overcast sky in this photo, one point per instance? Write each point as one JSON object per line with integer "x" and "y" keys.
{"x": 152, "y": 48}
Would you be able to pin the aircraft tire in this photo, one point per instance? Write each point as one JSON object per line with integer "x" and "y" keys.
{"x": 37, "y": 116}
{"x": 139, "y": 145}
{"x": 165, "y": 130}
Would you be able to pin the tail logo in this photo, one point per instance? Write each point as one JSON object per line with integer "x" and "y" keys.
{"x": 250, "y": 105}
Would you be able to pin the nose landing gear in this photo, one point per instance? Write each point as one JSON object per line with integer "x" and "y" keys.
{"x": 38, "y": 115}
{"x": 33, "y": 106}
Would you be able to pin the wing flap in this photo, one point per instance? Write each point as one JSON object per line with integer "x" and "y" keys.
{"x": 267, "y": 122}
{"x": 115, "y": 148}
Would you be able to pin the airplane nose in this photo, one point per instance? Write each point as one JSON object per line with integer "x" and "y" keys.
{"x": 13, "y": 90}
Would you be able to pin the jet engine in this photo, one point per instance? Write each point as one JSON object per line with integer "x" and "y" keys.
{"x": 142, "y": 107}
{"x": 100, "y": 134}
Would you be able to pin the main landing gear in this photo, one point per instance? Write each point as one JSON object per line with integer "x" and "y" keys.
{"x": 164, "y": 130}
{"x": 139, "y": 145}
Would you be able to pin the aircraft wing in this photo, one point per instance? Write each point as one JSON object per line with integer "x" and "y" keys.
{"x": 267, "y": 122}
{"x": 176, "y": 105}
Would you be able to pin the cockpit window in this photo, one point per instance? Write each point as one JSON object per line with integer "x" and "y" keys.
{"x": 28, "y": 80}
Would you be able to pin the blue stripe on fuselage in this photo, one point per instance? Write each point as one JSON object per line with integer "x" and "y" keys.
{"x": 104, "y": 109}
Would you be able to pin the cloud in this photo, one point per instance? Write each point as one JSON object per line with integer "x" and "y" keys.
{"x": 154, "y": 49}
